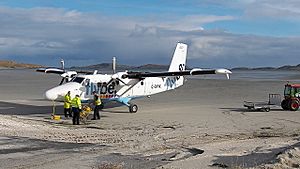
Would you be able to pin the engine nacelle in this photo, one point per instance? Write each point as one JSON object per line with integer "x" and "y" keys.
{"x": 224, "y": 71}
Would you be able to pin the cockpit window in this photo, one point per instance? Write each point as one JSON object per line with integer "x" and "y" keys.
{"x": 77, "y": 79}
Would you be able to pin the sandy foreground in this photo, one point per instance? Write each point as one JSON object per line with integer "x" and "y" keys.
{"x": 200, "y": 125}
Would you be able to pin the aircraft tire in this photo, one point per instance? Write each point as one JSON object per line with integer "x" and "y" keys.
{"x": 133, "y": 108}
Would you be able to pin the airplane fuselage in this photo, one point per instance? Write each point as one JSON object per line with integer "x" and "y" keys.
{"x": 125, "y": 86}
{"x": 113, "y": 89}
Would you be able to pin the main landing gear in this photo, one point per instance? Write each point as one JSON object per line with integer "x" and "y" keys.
{"x": 133, "y": 108}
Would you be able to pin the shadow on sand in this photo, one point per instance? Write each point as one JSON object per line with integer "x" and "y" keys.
{"x": 245, "y": 110}
{"x": 251, "y": 160}
{"x": 7, "y": 108}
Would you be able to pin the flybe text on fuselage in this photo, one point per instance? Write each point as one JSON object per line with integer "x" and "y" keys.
{"x": 100, "y": 88}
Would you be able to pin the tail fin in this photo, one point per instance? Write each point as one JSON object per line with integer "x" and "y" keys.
{"x": 179, "y": 58}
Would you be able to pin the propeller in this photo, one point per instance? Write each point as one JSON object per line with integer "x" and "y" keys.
{"x": 62, "y": 62}
{"x": 114, "y": 64}
{"x": 64, "y": 75}
{"x": 116, "y": 77}
{"x": 62, "y": 81}
{"x": 67, "y": 76}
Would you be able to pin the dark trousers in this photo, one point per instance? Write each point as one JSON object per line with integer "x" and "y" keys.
{"x": 67, "y": 112}
{"x": 76, "y": 115}
{"x": 97, "y": 112}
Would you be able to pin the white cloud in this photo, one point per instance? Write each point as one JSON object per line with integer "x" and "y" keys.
{"x": 276, "y": 9}
{"x": 89, "y": 38}
{"x": 186, "y": 23}
{"x": 245, "y": 50}
{"x": 258, "y": 9}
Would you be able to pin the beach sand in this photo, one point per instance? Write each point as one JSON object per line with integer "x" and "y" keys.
{"x": 202, "y": 124}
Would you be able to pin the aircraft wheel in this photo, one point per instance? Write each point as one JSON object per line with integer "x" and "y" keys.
{"x": 294, "y": 105}
{"x": 284, "y": 105}
{"x": 133, "y": 108}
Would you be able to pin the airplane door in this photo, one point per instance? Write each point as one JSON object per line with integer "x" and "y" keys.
{"x": 138, "y": 89}
{"x": 145, "y": 87}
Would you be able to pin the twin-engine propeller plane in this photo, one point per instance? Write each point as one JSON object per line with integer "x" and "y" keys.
{"x": 125, "y": 86}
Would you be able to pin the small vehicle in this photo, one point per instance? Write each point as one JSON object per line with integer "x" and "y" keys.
{"x": 273, "y": 102}
{"x": 291, "y": 97}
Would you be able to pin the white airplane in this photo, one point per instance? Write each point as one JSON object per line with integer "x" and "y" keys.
{"x": 122, "y": 87}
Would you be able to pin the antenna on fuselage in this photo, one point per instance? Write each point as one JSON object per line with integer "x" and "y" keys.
{"x": 114, "y": 60}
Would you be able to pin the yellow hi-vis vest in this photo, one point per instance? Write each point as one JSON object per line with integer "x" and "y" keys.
{"x": 67, "y": 103}
{"x": 97, "y": 101}
{"x": 76, "y": 102}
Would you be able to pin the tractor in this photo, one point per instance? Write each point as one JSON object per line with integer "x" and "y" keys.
{"x": 291, "y": 97}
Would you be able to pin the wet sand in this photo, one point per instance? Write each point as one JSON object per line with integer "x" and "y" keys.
{"x": 200, "y": 125}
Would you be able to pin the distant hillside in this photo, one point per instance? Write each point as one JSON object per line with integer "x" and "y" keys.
{"x": 297, "y": 67}
{"x": 287, "y": 67}
{"x": 13, "y": 64}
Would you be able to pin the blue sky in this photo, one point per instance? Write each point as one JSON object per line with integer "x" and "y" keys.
{"x": 220, "y": 33}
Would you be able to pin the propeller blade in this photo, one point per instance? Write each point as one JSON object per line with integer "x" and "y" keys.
{"x": 121, "y": 81}
{"x": 114, "y": 64}
{"x": 62, "y": 81}
{"x": 110, "y": 81}
{"x": 116, "y": 77}
{"x": 62, "y": 62}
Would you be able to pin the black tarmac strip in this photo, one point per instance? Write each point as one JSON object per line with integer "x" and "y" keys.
{"x": 7, "y": 108}
{"x": 36, "y": 145}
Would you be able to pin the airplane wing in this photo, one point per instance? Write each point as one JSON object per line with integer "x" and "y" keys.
{"x": 61, "y": 71}
{"x": 51, "y": 70}
{"x": 141, "y": 75}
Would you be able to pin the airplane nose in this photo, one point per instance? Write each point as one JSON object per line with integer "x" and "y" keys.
{"x": 57, "y": 93}
{"x": 50, "y": 95}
